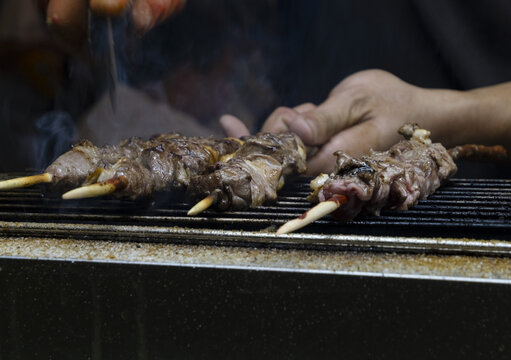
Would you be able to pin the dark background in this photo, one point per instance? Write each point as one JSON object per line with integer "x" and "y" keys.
{"x": 219, "y": 56}
{"x": 308, "y": 47}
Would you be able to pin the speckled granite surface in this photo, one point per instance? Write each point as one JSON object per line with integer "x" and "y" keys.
{"x": 465, "y": 268}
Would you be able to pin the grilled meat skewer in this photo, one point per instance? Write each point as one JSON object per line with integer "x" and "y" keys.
{"x": 478, "y": 152}
{"x": 253, "y": 174}
{"x": 394, "y": 179}
{"x": 85, "y": 161}
{"x": 165, "y": 166}
{"x": 73, "y": 167}
{"x": 68, "y": 170}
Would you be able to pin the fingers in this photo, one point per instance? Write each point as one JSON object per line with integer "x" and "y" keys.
{"x": 355, "y": 140}
{"x": 67, "y": 21}
{"x": 142, "y": 16}
{"x": 278, "y": 120}
{"x": 338, "y": 112}
{"x": 304, "y": 107}
{"x": 233, "y": 127}
{"x": 316, "y": 124}
{"x": 170, "y": 7}
{"x": 109, "y": 7}
{"x": 147, "y": 13}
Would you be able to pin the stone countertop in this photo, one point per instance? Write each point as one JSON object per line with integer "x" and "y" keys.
{"x": 379, "y": 264}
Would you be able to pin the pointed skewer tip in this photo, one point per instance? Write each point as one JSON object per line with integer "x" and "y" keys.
{"x": 89, "y": 191}
{"x": 317, "y": 212}
{"x": 98, "y": 189}
{"x": 202, "y": 205}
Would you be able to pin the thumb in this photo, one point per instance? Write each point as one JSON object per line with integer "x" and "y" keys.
{"x": 318, "y": 125}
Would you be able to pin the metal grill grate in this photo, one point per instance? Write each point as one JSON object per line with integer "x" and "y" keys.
{"x": 465, "y": 212}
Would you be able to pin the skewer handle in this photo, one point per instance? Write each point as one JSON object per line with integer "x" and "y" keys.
{"x": 25, "y": 181}
{"x": 478, "y": 152}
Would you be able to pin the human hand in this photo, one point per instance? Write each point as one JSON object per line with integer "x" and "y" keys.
{"x": 67, "y": 19}
{"x": 362, "y": 112}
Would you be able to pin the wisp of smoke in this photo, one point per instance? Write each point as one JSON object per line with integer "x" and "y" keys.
{"x": 55, "y": 132}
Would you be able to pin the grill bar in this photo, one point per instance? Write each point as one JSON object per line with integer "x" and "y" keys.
{"x": 465, "y": 216}
{"x": 174, "y": 234}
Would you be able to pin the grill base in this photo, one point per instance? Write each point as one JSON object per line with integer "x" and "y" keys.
{"x": 158, "y": 291}
{"x": 95, "y": 310}
{"x": 464, "y": 216}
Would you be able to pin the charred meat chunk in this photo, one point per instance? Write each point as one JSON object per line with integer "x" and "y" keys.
{"x": 393, "y": 179}
{"x": 254, "y": 173}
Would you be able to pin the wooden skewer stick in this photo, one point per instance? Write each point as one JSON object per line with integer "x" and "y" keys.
{"x": 25, "y": 181}
{"x": 98, "y": 189}
{"x": 317, "y": 212}
{"x": 202, "y": 205}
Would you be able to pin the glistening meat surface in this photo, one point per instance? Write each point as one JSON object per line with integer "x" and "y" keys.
{"x": 71, "y": 168}
{"x": 253, "y": 174}
{"x": 394, "y": 179}
{"x": 168, "y": 165}
{"x": 170, "y": 159}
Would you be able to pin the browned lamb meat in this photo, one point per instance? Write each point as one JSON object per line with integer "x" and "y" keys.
{"x": 254, "y": 173}
{"x": 168, "y": 165}
{"x": 85, "y": 161}
{"x": 72, "y": 168}
{"x": 394, "y": 179}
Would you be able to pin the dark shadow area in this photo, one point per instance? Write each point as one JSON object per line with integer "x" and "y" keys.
{"x": 245, "y": 59}
{"x": 62, "y": 310}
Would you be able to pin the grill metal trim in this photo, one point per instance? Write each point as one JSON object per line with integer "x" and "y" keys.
{"x": 467, "y": 216}
{"x": 253, "y": 238}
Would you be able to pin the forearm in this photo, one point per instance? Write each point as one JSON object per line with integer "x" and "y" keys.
{"x": 477, "y": 116}
{"x": 492, "y": 113}
{"x": 365, "y": 110}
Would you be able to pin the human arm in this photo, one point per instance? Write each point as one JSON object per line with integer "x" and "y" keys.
{"x": 365, "y": 110}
